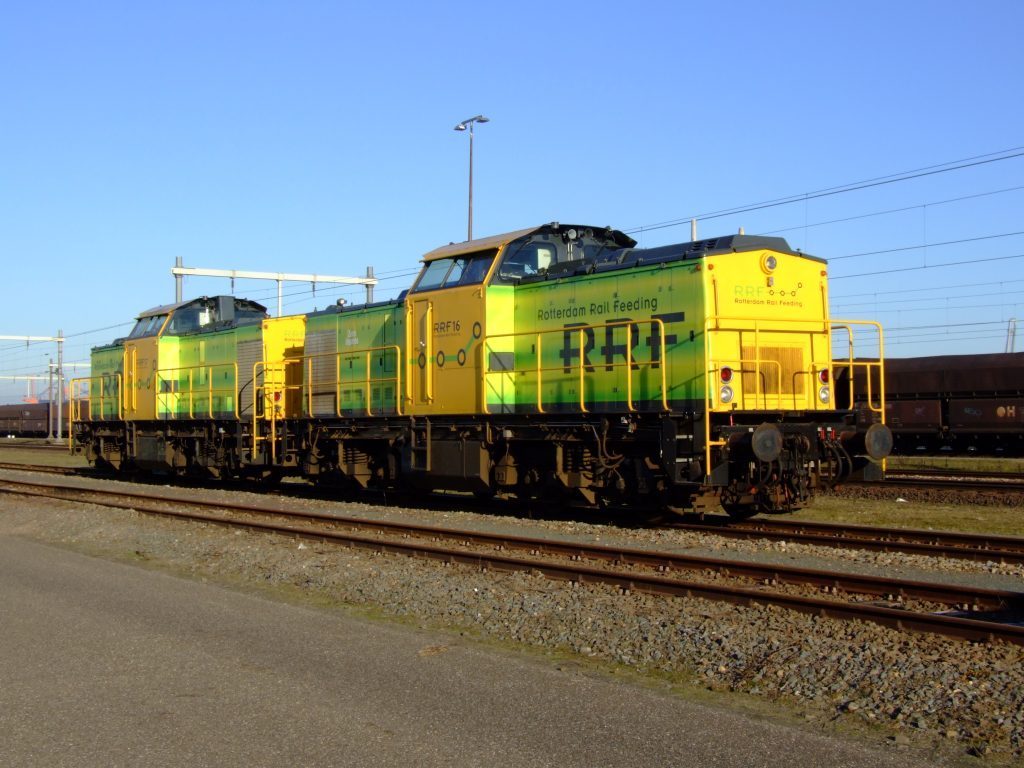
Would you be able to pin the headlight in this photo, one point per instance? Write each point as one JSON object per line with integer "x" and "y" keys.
{"x": 824, "y": 394}
{"x": 725, "y": 394}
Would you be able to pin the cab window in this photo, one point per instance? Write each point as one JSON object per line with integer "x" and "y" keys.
{"x": 189, "y": 319}
{"x": 477, "y": 269}
{"x": 455, "y": 273}
{"x": 528, "y": 258}
{"x": 458, "y": 270}
{"x": 433, "y": 275}
{"x": 147, "y": 326}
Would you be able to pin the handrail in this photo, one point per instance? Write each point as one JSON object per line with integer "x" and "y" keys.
{"x": 428, "y": 368}
{"x": 581, "y": 364}
{"x": 410, "y": 332}
{"x": 81, "y": 389}
{"x": 259, "y": 395}
{"x": 174, "y": 389}
{"x": 367, "y": 383}
{"x": 845, "y": 325}
{"x": 129, "y": 364}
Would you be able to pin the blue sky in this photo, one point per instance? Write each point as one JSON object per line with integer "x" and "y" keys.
{"x": 316, "y": 137}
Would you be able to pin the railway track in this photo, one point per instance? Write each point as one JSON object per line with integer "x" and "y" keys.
{"x": 37, "y": 446}
{"x": 46, "y": 468}
{"x": 953, "y": 475}
{"x": 998, "y": 482}
{"x": 968, "y": 612}
{"x": 943, "y": 544}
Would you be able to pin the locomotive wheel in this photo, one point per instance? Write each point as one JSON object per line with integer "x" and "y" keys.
{"x": 739, "y": 502}
{"x": 269, "y": 478}
{"x": 741, "y": 511}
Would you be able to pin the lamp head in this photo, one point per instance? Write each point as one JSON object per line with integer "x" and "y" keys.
{"x": 468, "y": 122}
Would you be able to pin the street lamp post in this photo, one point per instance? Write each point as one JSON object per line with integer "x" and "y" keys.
{"x": 461, "y": 127}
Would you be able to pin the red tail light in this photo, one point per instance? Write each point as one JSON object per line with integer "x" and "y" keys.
{"x": 726, "y": 374}
{"x": 823, "y": 375}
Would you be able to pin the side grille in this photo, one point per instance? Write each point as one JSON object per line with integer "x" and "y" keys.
{"x": 249, "y": 353}
{"x": 321, "y": 347}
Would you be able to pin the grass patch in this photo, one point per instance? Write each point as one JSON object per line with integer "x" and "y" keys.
{"x": 13, "y": 454}
{"x": 961, "y": 463}
{"x": 1004, "y": 521}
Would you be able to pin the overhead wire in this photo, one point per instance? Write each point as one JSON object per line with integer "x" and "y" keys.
{"x": 920, "y": 267}
{"x": 953, "y": 165}
{"x": 925, "y": 245}
{"x": 887, "y": 211}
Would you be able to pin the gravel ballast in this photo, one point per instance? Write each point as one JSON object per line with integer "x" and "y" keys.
{"x": 955, "y": 697}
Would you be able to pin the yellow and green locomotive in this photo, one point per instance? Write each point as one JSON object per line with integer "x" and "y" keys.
{"x": 553, "y": 362}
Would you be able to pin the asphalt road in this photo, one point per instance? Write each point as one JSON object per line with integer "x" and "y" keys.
{"x": 106, "y": 664}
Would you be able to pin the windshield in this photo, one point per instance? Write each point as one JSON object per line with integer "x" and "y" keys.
{"x": 469, "y": 269}
{"x": 147, "y": 326}
{"x": 526, "y": 258}
{"x": 548, "y": 252}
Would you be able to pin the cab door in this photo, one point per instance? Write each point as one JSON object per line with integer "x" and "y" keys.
{"x": 141, "y": 357}
{"x": 446, "y": 329}
{"x": 421, "y": 349}
{"x": 444, "y": 336}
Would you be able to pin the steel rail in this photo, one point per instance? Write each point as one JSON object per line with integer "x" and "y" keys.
{"x": 967, "y": 628}
{"x": 942, "y": 544}
{"x": 947, "y": 484}
{"x": 51, "y": 470}
{"x": 63, "y": 446}
{"x": 955, "y": 475}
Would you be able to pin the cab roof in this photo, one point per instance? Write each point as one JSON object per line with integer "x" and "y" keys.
{"x": 497, "y": 241}
{"x": 166, "y": 309}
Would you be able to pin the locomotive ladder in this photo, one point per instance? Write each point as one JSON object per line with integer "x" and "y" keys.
{"x": 267, "y": 401}
{"x": 419, "y": 445}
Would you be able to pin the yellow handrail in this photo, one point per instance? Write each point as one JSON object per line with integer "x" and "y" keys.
{"x": 130, "y": 394}
{"x": 368, "y": 380}
{"x": 428, "y": 369}
{"x": 581, "y": 363}
{"x": 259, "y": 395}
{"x": 167, "y": 376}
{"x": 81, "y": 389}
{"x": 845, "y": 325}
